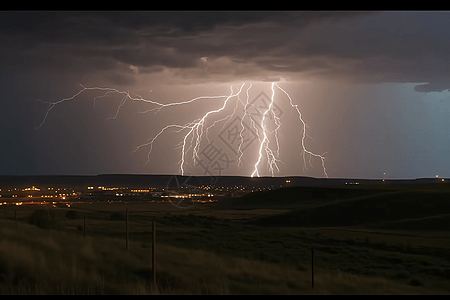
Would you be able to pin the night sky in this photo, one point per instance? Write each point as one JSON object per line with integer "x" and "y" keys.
{"x": 372, "y": 87}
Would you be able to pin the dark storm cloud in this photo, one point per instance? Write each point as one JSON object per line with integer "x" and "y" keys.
{"x": 358, "y": 46}
{"x": 142, "y": 38}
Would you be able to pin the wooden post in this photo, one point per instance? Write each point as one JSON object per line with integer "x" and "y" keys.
{"x": 153, "y": 253}
{"x": 84, "y": 226}
{"x": 15, "y": 217}
{"x": 126, "y": 228}
{"x": 312, "y": 266}
{"x": 53, "y": 216}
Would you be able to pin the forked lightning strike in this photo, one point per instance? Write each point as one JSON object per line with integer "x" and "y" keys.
{"x": 322, "y": 158}
{"x": 264, "y": 145}
{"x": 195, "y": 129}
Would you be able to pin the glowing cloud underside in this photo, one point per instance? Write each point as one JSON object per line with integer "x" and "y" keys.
{"x": 195, "y": 130}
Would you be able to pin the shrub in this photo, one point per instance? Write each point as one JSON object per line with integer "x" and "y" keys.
{"x": 302, "y": 268}
{"x": 402, "y": 274}
{"x": 415, "y": 282}
{"x": 350, "y": 242}
{"x": 71, "y": 214}
{"x": 44, "y": 218}
{"x": 409, "y": 249}
{"x": 446, "y": 273}
{"x": 116, "y": 216}
{"x": 380, "y": 245}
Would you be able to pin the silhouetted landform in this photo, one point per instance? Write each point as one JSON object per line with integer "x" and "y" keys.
{"x": 437, "y": 222}
{"x": 291, "y": 196}
{"x": 388, "y": 209}
{"x": 160, "y": 181}
{"x": 357, "y": 231}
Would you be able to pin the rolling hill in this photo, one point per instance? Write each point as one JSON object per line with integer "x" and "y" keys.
{"x": 292, "y": 197}
{"x": 378, "y": 207}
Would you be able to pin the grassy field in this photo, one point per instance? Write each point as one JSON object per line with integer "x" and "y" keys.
{"x": 367, "y": 240}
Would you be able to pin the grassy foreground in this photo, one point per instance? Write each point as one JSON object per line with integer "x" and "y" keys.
{"x": 367, "y": 240}
{"x": 39, "y": 261}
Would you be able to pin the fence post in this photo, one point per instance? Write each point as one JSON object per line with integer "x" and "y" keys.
{"x": 84, "y": 226}
{"x": 153, "y": 252}
{"x": 312, "y": 267}
{"x": 126, "y": 229}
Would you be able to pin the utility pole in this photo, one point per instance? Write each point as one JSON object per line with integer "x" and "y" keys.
{"x": 312, "y": 267}
{"x": 153, "y": 253}
{"x": 126, "y": 229}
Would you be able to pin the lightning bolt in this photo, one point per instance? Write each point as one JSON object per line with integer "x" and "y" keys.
{"x": 322, "y": 158}
{"x": 264, "y": 143}
{"x": 200, "y": 125}
{"x": 194, "y": 131}
{"x": 240, "y": 153}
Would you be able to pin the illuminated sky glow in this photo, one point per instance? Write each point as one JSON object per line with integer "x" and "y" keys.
{"x": 195, "y": 129}
{"x": 371, "y": 87}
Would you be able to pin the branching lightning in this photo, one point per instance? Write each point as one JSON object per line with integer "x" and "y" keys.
{"x": 264, "y": 144}
{"x": 305, "y": 151}
{"x": 240, "y": 153}
{"x": 195, "y": 131}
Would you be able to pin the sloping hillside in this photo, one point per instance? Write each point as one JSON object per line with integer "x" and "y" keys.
{"x": 293, "y": 196}
{"x": 363, "y": 210}
{"x": 432, "y": 223}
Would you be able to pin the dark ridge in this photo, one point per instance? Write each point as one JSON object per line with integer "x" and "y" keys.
{"x": 290, "y": 196}
{"x": 135, "y": 180}
{"x": 382, "y": 207}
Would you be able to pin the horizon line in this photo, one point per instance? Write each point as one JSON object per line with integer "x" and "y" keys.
{"x": 222, "y": 176}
